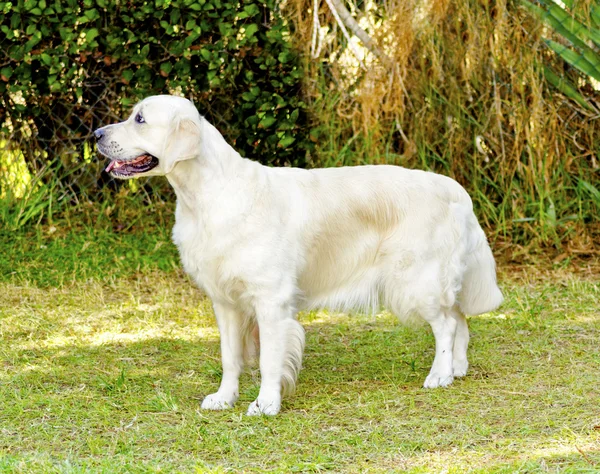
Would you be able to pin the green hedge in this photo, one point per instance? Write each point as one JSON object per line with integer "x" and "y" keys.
{"x": 67, "y": 67}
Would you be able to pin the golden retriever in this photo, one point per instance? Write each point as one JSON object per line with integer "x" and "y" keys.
{"x": 264, "y": 243}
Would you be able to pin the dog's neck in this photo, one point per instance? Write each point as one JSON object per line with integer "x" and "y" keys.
{"x": 198, "y": 181}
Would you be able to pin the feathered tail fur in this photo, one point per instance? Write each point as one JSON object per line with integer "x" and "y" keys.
{"x": 480, "y": 293}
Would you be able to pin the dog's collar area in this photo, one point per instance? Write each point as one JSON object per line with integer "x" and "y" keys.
{"x": 141, "y": 164}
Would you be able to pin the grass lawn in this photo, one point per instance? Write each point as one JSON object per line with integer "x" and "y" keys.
{"x": 107, "y": 350}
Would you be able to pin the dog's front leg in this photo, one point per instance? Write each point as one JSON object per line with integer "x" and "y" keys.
{"x": 273, "y": 322}
{"x": 230, "y": 324}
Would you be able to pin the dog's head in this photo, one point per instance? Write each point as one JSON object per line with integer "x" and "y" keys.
{"x": 161, "y": 131}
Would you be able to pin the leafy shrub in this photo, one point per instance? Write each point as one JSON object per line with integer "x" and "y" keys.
{"x": 69, "y": 66}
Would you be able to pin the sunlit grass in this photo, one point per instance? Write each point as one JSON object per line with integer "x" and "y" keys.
{"x": 103, "y": 369}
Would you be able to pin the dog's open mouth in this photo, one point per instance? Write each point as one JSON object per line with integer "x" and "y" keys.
{"x": 141, "y": 164}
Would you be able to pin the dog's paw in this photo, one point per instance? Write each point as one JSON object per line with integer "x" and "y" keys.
{"x": 435, "y": 380}
{"x": 262, "y": 406}
{"x": 216, "y": 401}
{"x": 460, "y": 367}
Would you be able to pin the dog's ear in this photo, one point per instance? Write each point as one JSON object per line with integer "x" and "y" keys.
{"x": 183, "y": 142}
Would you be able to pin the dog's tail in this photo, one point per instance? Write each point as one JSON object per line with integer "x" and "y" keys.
{"x": 251, "y": 341}
{"x": 293, "y": 356}
{"x": 479, "y": 292}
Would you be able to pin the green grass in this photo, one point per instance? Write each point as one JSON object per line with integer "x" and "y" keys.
{"x": 107, "y": 350}
{"x": 53, "y": 256}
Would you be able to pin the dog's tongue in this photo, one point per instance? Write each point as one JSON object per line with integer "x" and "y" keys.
{"x": 110, "y": 166}
{"x": 117, "y": 163}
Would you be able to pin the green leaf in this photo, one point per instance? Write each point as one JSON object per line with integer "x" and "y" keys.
{"x": 35, "y": 39}
{"x": 6, "y": 71}
{"x": 251, "y": 10}
{"x": 46, "y": 59}
{"x": 566, "y": 87}
{"x": 286, "y": 57}
{"x": 588, "y": 63}
{"x": 590, "y": 188}
{"x": 166, "y": 67}
{"x": 250, "y": 30}
{"x": 127, "y": 75}
{"x": 205, "y": 53}
{"x": 267, "y": 121}
{"x": 286, "y": 141}
{"x": 66, "y": 34}
{"x": 596, "y": 15}
{"x": 551, "y": 214}
{"x": 555, "y": 23}
{"x": 225, "y": 28}
{"x": 91, "y": 34}
{"x": 92, "y": 14}
{"x": 252, "y": 121}
{"x": 294, "y": 115}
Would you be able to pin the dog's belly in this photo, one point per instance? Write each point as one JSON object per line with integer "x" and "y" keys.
{"x": 342, "y": 269}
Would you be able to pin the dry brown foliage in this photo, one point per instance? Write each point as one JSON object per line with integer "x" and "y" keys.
{"x": 463, "y": 93}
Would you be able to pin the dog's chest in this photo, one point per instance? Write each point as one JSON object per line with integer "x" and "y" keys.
{"x": 204, "y": 257}
{"x": 193, "y": 242}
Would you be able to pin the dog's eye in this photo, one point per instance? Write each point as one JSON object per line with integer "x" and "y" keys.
{"x": 139, "y": 118}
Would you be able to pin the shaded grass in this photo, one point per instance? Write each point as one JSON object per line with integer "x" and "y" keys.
{"x": 104, "y": 370}
{"x": 55, "y": 255}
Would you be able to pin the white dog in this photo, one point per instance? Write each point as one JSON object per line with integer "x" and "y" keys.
{"x": 264, "y": 243}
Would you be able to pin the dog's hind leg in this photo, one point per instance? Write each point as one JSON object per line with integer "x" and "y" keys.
{"x": 231, "y": 328}
{"x": 281, "y": 348}
{"x": 444, "y": 327}
{"x": 417, "y": 290}
{"x": 460, "y": 363}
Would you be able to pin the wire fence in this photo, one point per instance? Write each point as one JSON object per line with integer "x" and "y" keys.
{"x": 52, "y": 141}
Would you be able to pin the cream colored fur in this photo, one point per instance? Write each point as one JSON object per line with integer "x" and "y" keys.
{"x": 265, "y": 242}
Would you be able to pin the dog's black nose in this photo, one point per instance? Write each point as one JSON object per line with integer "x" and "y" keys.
{"x": 98, "y": 133}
